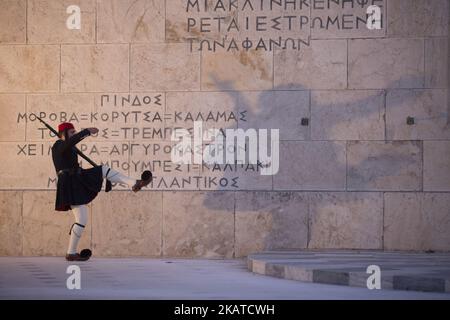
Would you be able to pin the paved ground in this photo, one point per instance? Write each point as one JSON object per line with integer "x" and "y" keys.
{"x": 45, "y": 278}
{"x": 428, "y": 272}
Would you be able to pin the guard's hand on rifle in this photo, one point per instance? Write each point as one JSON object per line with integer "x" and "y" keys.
{"x": 92, "y": 130}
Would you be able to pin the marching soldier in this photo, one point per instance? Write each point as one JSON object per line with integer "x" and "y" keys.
{"x": 76, "y": 187}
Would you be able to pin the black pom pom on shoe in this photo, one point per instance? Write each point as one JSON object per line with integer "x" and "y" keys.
{"x": 146, "y": 175}
{"x": 86, "y": 253}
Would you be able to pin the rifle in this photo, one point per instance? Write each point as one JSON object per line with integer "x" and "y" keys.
{"x": 81, "y": 154}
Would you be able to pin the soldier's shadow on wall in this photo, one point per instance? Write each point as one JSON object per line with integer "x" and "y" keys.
{"x": 391, "y": 162}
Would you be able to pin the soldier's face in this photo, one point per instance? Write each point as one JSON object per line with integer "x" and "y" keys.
{"x": 70, "y": 133}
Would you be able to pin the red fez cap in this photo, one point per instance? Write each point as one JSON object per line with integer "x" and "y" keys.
{"x": 65, "y": 125}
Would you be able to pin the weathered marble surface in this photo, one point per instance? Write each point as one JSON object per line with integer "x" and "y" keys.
{"x": 31, "y": 159}
{"x": 427, "y": 107}
{"x": 94, "y": 68}
{"x": 198, "y": 224}
{"x": 416, "y": 18}
{"x": 130, "y": 21}
{"x": 282, "y": 110}
{"x": 169, "y": 66}
{"x": 244, "y": 70}
{"x": 346, "y": 220}
{"x": 436, "y": 166}
{"x": 354, "y": 86}
{"x": 11, "y": 127}
{"x": 31, "y": 68}
{"x": 416, "y": 221}
{"x": 436, "y": 62}
{"x": 13, "y": 21}
{"x": 46, "y": 21}
{"x": 46, "y": 231}
{"x": 322, "y": 65}
{"x": 347, "y": 115}
{"x": 385, "y": 63}
{"x": 379, "y": 165}
{"x": 311, "y": 165}
{"x": 127, "y": 224}
{"x": 270, "y": 220}
{"x": 11, "y": 223}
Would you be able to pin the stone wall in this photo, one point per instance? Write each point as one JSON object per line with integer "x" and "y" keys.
{"x": 357, "y": 175}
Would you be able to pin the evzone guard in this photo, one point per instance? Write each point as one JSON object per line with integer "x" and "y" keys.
{"x": 76, "y": 187}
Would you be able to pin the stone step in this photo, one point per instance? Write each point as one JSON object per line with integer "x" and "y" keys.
{"x": 417, "y": 271}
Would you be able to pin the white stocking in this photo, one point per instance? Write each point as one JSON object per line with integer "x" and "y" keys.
{"x": 117, "y": 177}
{"x": 81, "y": 219}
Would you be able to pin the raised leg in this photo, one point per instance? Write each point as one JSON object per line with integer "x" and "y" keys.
{"x": 116, "y": 177}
